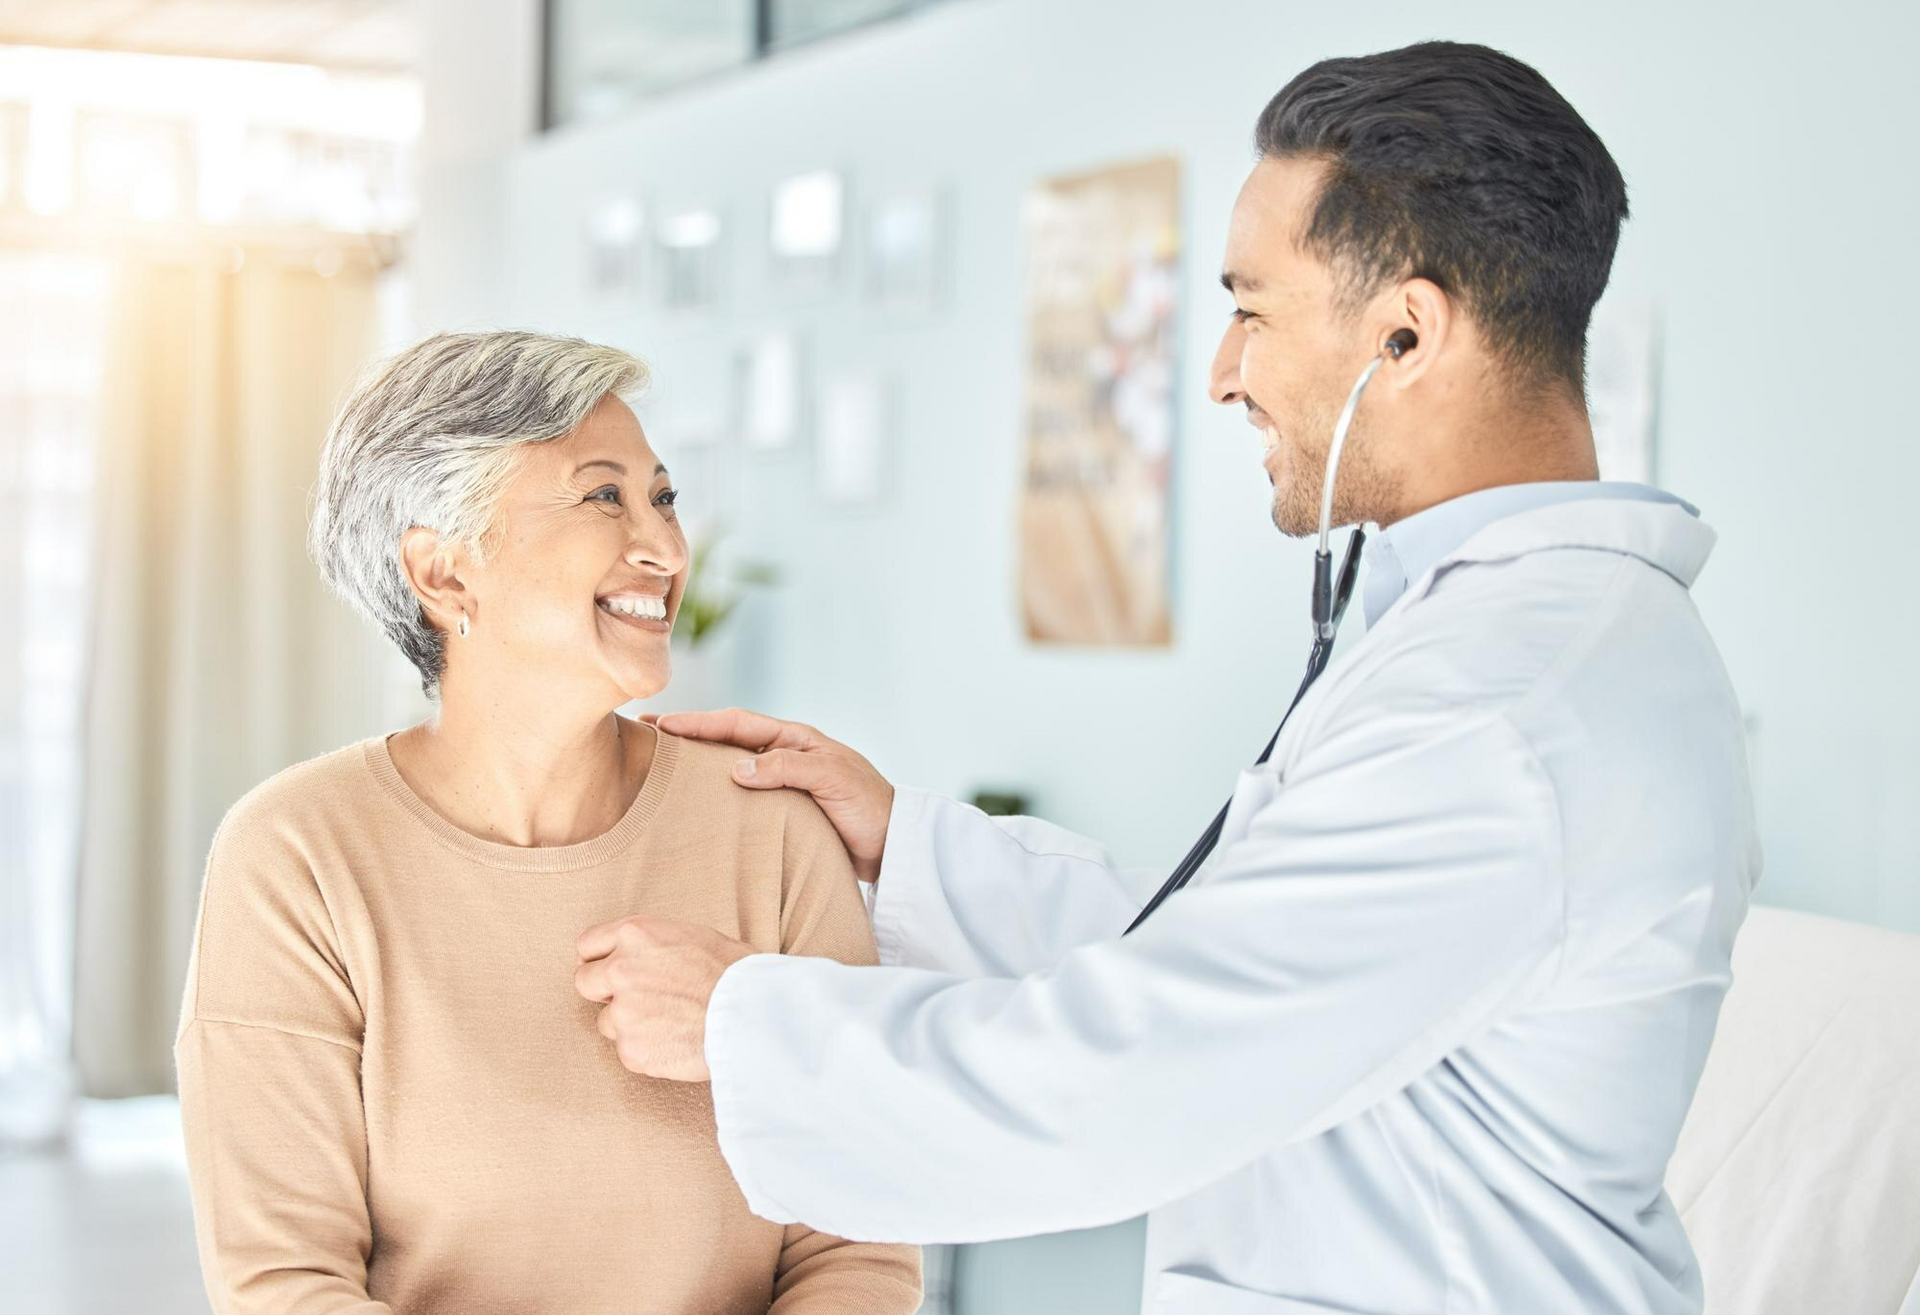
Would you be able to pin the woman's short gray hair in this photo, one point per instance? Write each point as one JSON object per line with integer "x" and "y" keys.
{"x": 430, "y": 437}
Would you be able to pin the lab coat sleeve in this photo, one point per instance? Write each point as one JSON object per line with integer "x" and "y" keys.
{"x": 979, "y": 896}
{"x": 1401, "y": 893}
{"x": 820, "y": 915}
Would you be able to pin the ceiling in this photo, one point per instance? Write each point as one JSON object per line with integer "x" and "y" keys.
{"x": 372, "y": 35}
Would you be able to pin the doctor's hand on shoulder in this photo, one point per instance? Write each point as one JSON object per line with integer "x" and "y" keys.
{"x": 855, "y": 797}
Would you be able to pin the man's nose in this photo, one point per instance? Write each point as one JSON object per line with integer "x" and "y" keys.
{"x": 1223, "y": 383}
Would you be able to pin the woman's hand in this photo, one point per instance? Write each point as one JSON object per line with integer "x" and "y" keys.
{"x": 855, "y": 797}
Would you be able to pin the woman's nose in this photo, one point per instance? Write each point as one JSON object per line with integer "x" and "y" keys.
{"x": 1223, "y": 381}
{"x": 657, "y": 546}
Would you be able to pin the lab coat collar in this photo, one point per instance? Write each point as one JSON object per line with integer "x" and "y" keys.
{"x": 1667, "y": 536}
{"x": 1399, "y": 554}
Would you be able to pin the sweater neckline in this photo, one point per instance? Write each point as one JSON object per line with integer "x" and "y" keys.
{"x": 533, "y": 858}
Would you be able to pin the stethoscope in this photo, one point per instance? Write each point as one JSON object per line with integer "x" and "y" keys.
{"x": 1330, "y": 601}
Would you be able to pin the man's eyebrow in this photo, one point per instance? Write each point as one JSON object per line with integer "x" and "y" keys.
{"x": 1233, "y": 282}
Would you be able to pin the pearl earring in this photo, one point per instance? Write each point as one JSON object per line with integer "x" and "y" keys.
{"x": 463, "y": 627}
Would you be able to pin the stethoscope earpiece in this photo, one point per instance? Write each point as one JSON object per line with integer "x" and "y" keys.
{"x": 1401, "y": 342}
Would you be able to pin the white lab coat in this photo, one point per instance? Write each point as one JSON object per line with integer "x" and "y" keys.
{"x": 1418, "y": 1039}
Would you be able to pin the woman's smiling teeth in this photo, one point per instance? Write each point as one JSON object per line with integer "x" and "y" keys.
{"x": 645, "y": 607}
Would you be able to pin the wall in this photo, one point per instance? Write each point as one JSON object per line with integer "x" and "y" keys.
{"x": 1772, "y": 221}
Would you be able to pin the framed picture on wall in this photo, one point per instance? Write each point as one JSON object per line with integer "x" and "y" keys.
{"x": 773, "y": 390}
{"x": 850, "y": 439}
{"x": 690, "y": 412}
{"x": 614, "y": 251}
{"x": 1103, "y": 256}
{"x": 806, "y": 229}
{"x": 689, "y": 248}
{"x": 904, "y": 255}
{"x": 1622, "y": 380}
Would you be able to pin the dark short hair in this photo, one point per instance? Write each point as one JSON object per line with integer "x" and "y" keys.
{"x": 1462, "y": 165}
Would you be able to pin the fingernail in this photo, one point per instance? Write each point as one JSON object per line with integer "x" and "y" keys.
{"x": 745, "y": 767}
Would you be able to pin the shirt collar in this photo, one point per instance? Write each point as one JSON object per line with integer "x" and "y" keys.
{"x": 1403, "y": 552}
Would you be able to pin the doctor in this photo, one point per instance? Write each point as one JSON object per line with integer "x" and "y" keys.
{"x": 1421, "y": 1035}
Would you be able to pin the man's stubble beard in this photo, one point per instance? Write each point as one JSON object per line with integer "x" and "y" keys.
{"x": 1366, "y": 491}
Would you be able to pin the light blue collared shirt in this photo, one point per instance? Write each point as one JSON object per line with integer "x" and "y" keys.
{"x": 1406, "y": 550}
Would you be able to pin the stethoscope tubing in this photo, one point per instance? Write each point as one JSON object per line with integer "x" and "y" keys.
{"x": 1329, "y": 605}
{"x": 1316, "y": 663}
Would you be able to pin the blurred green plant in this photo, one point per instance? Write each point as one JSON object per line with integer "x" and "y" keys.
{"x": 712, "y": 592}
{"x": 1001, "y": 803}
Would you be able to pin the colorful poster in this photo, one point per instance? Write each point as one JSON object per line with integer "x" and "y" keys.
{"x": 1103, "y": 267}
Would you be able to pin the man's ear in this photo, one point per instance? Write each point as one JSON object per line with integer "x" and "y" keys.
{"x": 433, "y": 569}
{"x": 1424, "y": 307}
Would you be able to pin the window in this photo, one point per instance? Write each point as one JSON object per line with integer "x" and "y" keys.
{"x": 794, "y": 21}
{"x": 53, "y": 310}
{"x": 604, "y": 56}
{"x": 105, "y": 153}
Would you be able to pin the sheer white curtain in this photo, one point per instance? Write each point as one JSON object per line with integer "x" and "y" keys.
{"x": 218, "y": 657}
{"x": 52, "y": 332}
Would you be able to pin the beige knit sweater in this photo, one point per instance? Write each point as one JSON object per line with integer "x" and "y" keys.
{"x": 395, "y": 1101}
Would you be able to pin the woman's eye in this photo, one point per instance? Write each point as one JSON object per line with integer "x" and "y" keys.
{"x": 667, "y": 498}
{"x": 612, "y": 489}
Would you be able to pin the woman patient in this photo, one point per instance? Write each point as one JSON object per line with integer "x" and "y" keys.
{"x": 394, "y": 1099}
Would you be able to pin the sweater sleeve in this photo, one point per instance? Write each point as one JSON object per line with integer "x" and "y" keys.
{"x": 268, "y": 1054}
{"x": 823, "y": 916}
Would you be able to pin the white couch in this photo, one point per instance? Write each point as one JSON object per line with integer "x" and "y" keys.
{"x": 1798, "y": 1170}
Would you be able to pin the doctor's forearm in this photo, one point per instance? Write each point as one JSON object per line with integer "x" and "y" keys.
{"x": 906, "y": 1105}
{"x": 852, "y": 1128}
{"x": 964, "y": 893}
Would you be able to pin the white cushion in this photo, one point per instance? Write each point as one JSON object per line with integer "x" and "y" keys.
{"x": 1798, "y": 1170}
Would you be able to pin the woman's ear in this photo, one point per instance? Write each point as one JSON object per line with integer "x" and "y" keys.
{"x": 433, "y": 569}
